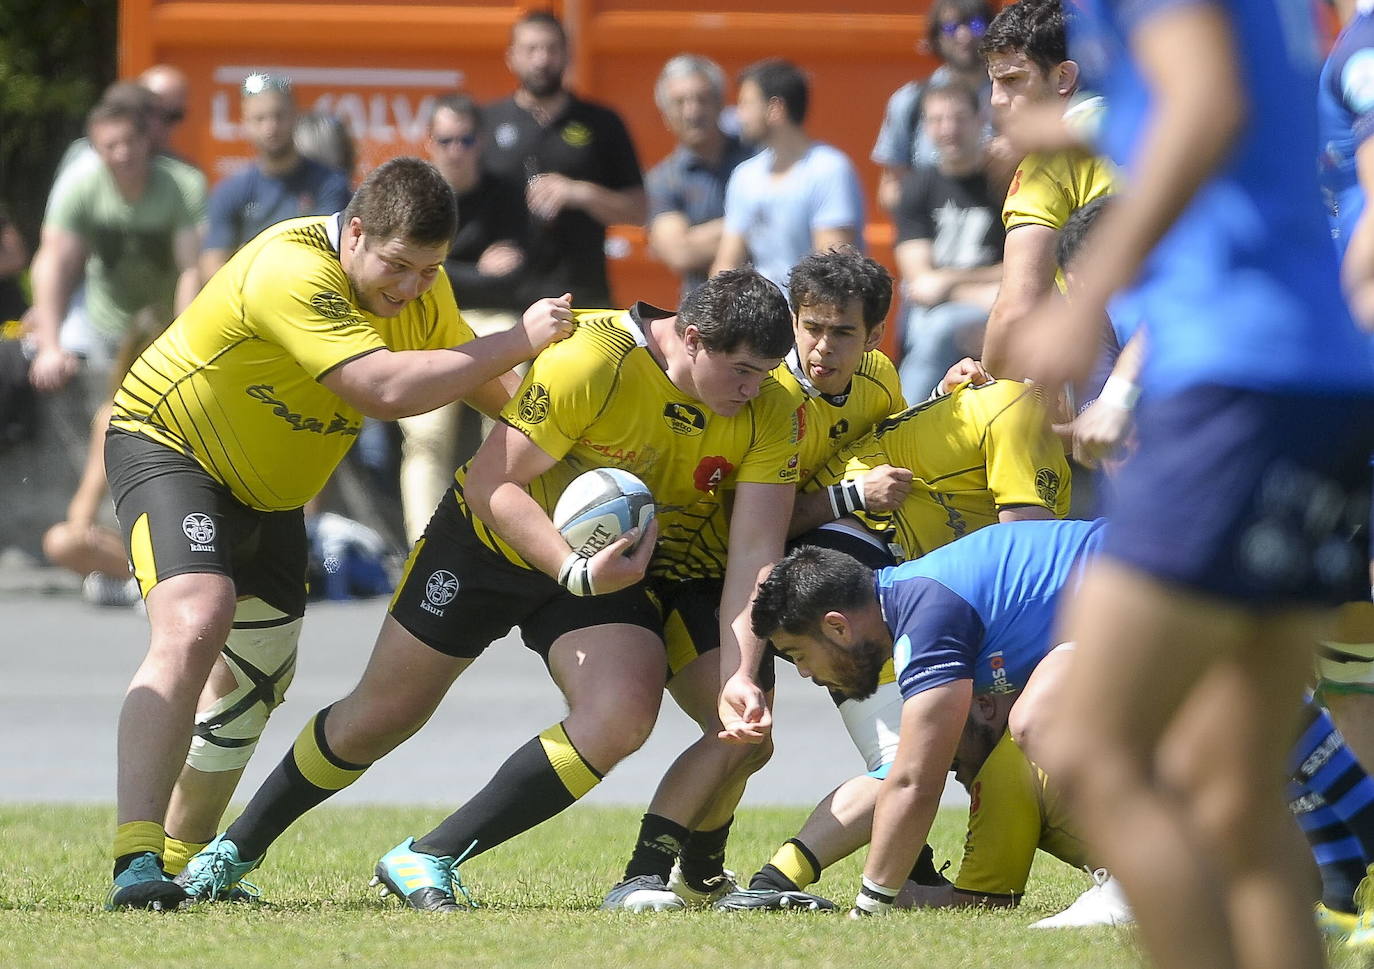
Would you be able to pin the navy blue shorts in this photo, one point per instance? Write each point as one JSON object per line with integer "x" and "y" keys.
{"x": 1260, "y": 498}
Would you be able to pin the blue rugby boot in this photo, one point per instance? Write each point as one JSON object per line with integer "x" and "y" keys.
{"x": 421, "y": 880}
{"x": 144, "y": 885}
{"x": 215, "y": 874}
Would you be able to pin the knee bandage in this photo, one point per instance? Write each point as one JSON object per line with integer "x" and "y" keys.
{"x": 874, "y": 724}
{"x": 261, "y": 654}
{"x": 1345, "y": 667}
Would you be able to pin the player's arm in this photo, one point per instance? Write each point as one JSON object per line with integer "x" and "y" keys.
{"x": 1028, "y": 268}
{"x": 388, "y": 384}
{"x": 932, "y": 721}
{"x": 494, "y": 394}
{"x": 866, "y": 482}
{"x": 54, "y": 275}
{"x": 758, "y": 531}
{"x": 186, "y": 251}
{"x": 1197, "y": 115}
{"x": 682, "y": 247}
{"x": 1101, "y": 429}
{"x": 496, "y": 489}
{"x": 1357, "y": 269}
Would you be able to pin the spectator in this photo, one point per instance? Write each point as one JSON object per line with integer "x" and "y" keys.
{"x": 487, "y": 251}
{"x": 280, "y": 184}
{"x": 953, "y": 30}
{"x": 575, "y": 160}
{"x": 124, "y": 225}
{"x": 324, "y": 138}
{"x": 794, "y": 197}
{"x": 949, "y": 241}
{"x": 687, "y": 189}
{"x": 14, "y": 259}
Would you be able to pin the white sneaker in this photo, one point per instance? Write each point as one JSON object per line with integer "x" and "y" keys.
{"x": 722, "y": 885}
{"x": 100, "y": 589}
{"x": 1103, "y": 904}
{"x": 642, "y": 893}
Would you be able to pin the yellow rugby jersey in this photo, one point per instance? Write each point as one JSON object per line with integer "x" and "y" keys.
{"x": 1047, "y": 188}
{"x": 600, "y": 400}
{"x": 972, "y": 452}
{"x": 829, "y": 423}
{"x": 1012, "y": 812}
{"x": 234, "y": 381}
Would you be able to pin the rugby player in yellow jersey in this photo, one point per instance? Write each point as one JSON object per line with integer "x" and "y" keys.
{"x": 1027, "y": 55}
{"x": 231, "y": 421}
{"x": 840, "y": 299}
{"x": 683, "y": 401}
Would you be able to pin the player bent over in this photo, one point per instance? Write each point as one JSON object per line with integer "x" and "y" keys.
{"x": 222, "y": 430}
{"x": 686, "y": 403}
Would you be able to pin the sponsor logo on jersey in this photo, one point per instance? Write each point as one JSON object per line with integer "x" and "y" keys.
{"x": 799, "y": 424}
{"x": 1000, "y": 683}
{"x": 710, "y": 472}
{"x": 1047, "y": 485}
{"x": 440, "y": 589}
{"x": 839, "y": 429}
{"x": 534, "y": 404}
{"x": 332, "y": 306}
{"x": 577, "y": 134}
{"x": 200, "y": 529}
{"x": 1015, "y": 184}
{"x": 338, "y": 424}
{"x": 684, "y": 418}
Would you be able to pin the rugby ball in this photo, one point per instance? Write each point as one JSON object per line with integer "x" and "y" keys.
{"x": 599, "y": 506}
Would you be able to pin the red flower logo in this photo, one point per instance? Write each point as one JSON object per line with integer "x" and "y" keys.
{"x": 711, "y": 472}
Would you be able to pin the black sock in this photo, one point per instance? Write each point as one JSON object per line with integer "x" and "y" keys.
{"x": 307, "y": 776}
{"x": 703, "y": 857}
{"x": 924, "y": 873}
{"x": 768, "y": 878}
{"x": 536, "y": 782}
{"x": 660, "y": 841}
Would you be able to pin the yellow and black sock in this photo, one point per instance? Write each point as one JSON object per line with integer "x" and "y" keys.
{"x": 657, "y": 847}
{"x": 791, "y": 869}
{"x": 133, "y": 838}
{"x": 703, "y": 857}
{"x": 536, "y": 782}
{"x": 307, "y": 776}
{"x": 176, "y": 853}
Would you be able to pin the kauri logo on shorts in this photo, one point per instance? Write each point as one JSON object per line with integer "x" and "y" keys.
{"x": 439, "y": 591}
{"x": 534, "y": 404}
{"x": 200, "y": 529}
{"x": 1047, "y": 485}
{"x": 684, "y": 418}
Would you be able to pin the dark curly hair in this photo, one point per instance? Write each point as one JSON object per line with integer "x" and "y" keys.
{"x": 835, "y": 277}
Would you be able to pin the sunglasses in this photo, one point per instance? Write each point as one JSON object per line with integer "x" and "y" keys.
{"x": 977, "y": 26}
{"x": 258, "y": 83}
{"x": 467, "y": 141}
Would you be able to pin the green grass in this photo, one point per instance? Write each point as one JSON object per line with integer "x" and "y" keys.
{"x": 539, "y": 896}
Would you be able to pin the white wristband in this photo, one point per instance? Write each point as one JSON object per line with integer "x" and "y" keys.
{"x": 573, "y": 575}
{"x": 847, "y": 496}
{"x": 1119, "y": 392}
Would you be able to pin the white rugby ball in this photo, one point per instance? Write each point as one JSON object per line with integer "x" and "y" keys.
{"x": 599, "y": 506}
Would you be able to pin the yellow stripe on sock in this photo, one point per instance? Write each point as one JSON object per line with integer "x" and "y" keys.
{"x": 791, "y": 862}
{"x": 136, "y": 837}
{"x": 141, "y": 555}
{"x": 176, "y": 853}
{"x": 575, "y": 773}
{"x": 318, "y": 769}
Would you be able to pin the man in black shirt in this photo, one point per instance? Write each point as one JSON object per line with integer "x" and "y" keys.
{"x": 949, "y": 241}
{"x": 575, "y": 161}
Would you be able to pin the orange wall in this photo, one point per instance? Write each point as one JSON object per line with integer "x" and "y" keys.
{"x": 377, "y": 64}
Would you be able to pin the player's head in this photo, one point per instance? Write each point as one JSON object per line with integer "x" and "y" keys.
{"x": 538, "y": 53}
{"x": 397, "y": 231}
{"x": 1068, "y": 247}
{"x": 268, "y": 110}
{"x": 987, "y": 720}
{"x": 954, "y": 28}
{"x": 773, "y": 94}
{"x": 117, "y": 128}
{"x": 454, "y": 139}
{"x": 170, "y": 89}
{"x": 734, "y": 328}
{"x": 325, "y": 138}
{"x": 818, "y": 608}
{"x": 690, "y": 93}
{"x": 950, "y": 118}
{"x": 1027, "y": 51}
{"x": 840, "y": 299}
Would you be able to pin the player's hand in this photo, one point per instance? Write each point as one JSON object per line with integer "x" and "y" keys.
{"x": 743, "y": 711}
{"x": 1099, "y": 432}
{"x": 548, "y": 321}
{"x": 500, "y": 259}
{"x": 548, "y": 194}
{"x": 623, "y": 562}
{"x": 967, "y": 369}
{"x": 50, "y": 369}
{"x": 886, "y": 487}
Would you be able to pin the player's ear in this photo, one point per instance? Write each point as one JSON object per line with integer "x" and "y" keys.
{"x": 875, "y": 336}
{"x": 1066, "y": 78}
{"x": 837, "y": 623}
{"x": 691, "y": 339}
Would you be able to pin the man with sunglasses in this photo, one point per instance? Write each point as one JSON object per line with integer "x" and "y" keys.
{"x": 278, "y": 184}
{"x": 954, "y": 28}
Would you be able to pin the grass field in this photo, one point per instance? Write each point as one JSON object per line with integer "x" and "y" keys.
{"x": 539, "y": 896}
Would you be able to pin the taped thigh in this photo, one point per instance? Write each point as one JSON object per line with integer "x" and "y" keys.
{"x": 261, "y": 655}
{"x": 875, "y": 724}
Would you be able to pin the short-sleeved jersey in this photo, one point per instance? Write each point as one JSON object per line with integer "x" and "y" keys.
{"x": 1046, "y": 189}
{"x": 250, "y": 200}
{"x": 1345, "y": 120}
{"x": 1243, "y": 290}
{"x": 234, "y": 382}
{"x": 600, "y": 400}
{"x": 973, "y": 452}
{"x": 983, "y": 608}
{"x": 830, "y": 423}
{"x": 1012, "y": 812}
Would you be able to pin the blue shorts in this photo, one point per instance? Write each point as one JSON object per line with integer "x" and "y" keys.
{"x": 1260, "y": 498}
